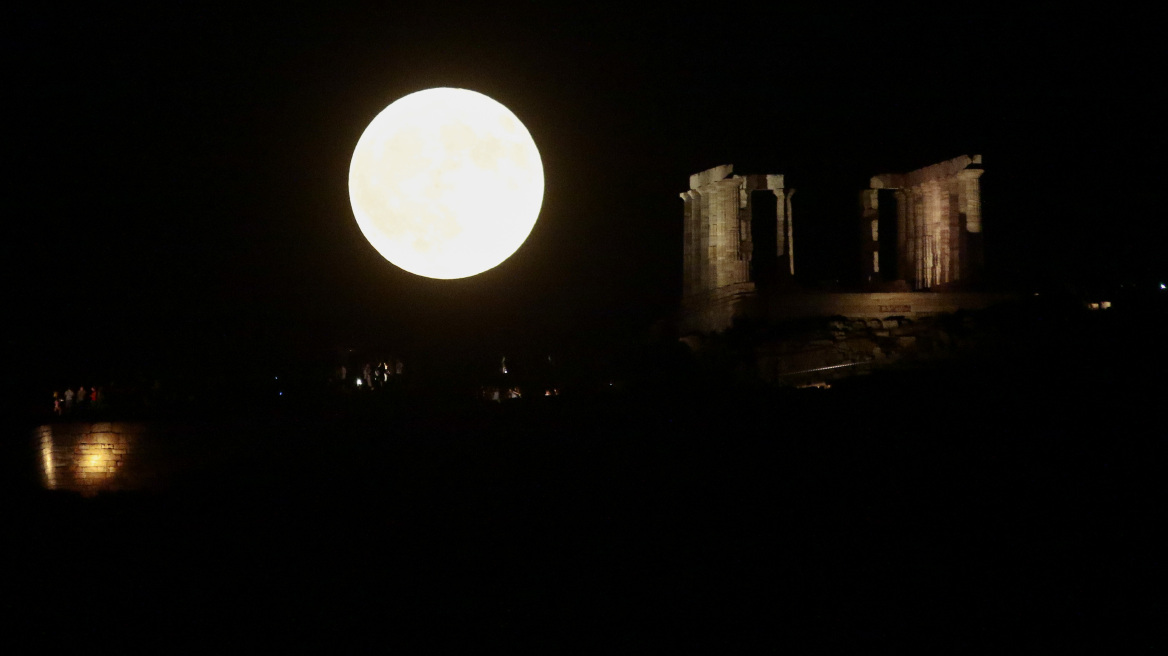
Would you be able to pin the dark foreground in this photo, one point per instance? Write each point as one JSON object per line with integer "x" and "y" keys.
{"x": 952, "y": 505}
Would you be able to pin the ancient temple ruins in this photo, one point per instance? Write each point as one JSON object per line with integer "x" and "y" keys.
{"x": 737, "y": 239}
{"x": 921, "y": 233}
{"x": 924, "y": 226}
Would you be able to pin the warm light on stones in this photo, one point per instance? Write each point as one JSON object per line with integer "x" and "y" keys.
{"x": 446, "y": 183}
{"x": 87, "y": 458}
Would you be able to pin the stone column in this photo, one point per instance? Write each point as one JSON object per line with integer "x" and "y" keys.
{"x": 970, "y": 204}
{"x": 705, "y": 246}
{"x": 916, "y": 236}
{"x": 971, "y": 193}
{"x": 942, "y": 192}
{"x": 956, "y": 255}
{"x": 692, "y": 225}
{"x": 729, "y": 267}
{"x": 903, "y": 238}
{"x": 787, "y": 219}
{"x": 784, "y": 232}
{"x": 775, "y": 184}
{"x": 780, "y": 223}
{"x": 718, "y": 246}
{"x": 935, "y": 240}
{"x": 745, "y": 238}
{"x": 869, "y": 234}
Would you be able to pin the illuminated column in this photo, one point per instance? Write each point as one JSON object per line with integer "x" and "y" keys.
{"x": 716, "y": 204}
{"x": 780, "y": 223}
{"x": 941, "y": 191}
{"x": 869, "y": 233}
{"x": 690, "y": 228}
{"x": 730, "y": 255}
{"x": 933, "y": 233}
{"x": 784, "y": 233}
{"x": 727, "y": 267}
{"x": 955, "y": 241}
{"x": 923, "y": 259}
{"x": 971, "y": 192}
{"x": 970, "y": 207}
{"x": 790, "y": 232}
{"x": 745, "y": 238}
{"x": 916, "y": 236}
{"x": 705, "y": 245}
{"x": 686, "y": 242}
{"x": 904, "y": 261}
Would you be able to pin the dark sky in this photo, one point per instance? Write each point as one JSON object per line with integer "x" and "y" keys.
{"x": 177, "y": 177}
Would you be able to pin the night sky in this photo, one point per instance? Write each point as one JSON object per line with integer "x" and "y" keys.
{"x": 177, "y": 177}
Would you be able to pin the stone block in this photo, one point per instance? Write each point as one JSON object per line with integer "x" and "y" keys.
{"x": 858, "y": 345}
{"x": 906, "y": 341}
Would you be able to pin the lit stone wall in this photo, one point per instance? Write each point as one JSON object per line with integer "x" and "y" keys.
{"x": 938, "y": 224}
{"x": 107, "y": 456}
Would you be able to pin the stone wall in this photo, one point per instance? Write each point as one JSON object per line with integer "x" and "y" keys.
{"x": 108, "y": 456}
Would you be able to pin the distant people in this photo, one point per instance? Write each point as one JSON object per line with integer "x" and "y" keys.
{"x": 99, "y": 399}
{"x": 56, "y": 403}
{"x": 92, "y": 396}
{"x": 68, "y": 400}
{"x": 80, "y": 397}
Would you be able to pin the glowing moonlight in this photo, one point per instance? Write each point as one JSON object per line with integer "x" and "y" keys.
{"x": 446, "y": 183}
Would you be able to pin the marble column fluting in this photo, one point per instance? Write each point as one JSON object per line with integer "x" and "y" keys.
{"x": 788, "y": 219}
{"x": 902, "y": 238}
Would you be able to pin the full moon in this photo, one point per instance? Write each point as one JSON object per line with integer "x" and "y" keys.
{"x": 446, "y": 183}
